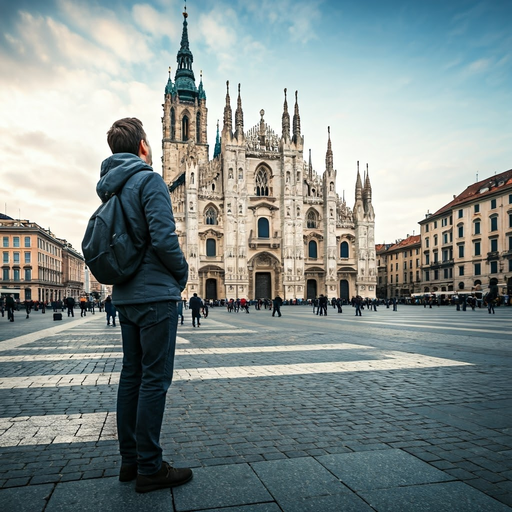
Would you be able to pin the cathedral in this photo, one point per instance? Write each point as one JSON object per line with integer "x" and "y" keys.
{"x": 257, "y": 221}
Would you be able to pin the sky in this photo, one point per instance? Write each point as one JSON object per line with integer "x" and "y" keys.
{"x": 419, "y": 91}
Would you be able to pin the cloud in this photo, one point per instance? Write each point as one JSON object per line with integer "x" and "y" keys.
{"x": 478, "y": 66}
{"x": 154, "y": 22}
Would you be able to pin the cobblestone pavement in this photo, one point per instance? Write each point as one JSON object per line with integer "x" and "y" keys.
{"x": 392, "y": 411}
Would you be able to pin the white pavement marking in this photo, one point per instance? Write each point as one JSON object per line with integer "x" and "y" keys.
{"x": 386, "y": 361}
{"x": 184, "y": 351}
{"x": 34, "y": 336}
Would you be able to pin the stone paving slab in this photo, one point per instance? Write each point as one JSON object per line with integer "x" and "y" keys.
{"x": 106, "y": 494}
{"x": 25, "y": 499}
{"x": 451, "y": 496}
{"x": 381, "y": 469}
{"x": 221, "y": 486}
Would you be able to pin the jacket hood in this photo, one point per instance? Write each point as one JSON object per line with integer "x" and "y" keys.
{"x": 116, "y": 170}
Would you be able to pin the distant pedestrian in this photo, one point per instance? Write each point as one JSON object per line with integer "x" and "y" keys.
{"x": 70, "y": 303}
{"x": 195, "y": 305}
{"x": 83, "y": 306}
{"x": 180, "y": 311}
{"x": 277, "y": 306}
{"x": 358, "y": 302}
{"x": 10, "y": 305}
{"x": 111, "y": 311}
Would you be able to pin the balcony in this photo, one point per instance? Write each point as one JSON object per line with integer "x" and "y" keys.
{"x": 264, "y": 243}
{"x": 492, "y": 256}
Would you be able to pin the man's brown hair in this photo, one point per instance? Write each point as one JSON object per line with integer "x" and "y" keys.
{"x": 125, "y": 135}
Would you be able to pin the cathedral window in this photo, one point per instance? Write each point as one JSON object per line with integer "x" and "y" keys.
{"x": 344, "y": 250}
{"x": 191, "y": 178}
{"x": 210, "y": 216}
{"x": 173, "y": 124}
{"x": 312, "y": 220}
{"x": 313, "y": 250}
{"x": 211, "y": 247}
{"x": 184, "y": 129}
{"x": 198, "y": 127}
{"x": 263, "y": 228}
{"x": 240, "y": 173}
{"x": 262, "y": 183}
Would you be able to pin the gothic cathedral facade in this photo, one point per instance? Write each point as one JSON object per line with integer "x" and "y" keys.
{"x": 257, "y": 221}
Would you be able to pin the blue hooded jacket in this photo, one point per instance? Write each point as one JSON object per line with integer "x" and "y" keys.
{"x": 145, "y": 198}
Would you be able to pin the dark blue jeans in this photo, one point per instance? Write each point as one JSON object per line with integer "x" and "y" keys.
{"x": 149, "y": 342}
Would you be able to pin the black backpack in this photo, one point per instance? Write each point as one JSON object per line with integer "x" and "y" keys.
{"x": 108, "y": 248}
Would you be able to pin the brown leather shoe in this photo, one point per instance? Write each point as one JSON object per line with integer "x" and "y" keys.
{"x": 164, "y": 478}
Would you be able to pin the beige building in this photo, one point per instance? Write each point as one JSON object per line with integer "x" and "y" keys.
{"x": 467, "y": 244}
{"x": 35, "y": 264}
{"x": 257, "y": 220}
{"x": 399, "y": 268}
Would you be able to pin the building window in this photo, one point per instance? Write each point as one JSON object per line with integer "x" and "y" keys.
{"x": 5, "y": 274}
{"x": 16, "y": 273}
{"x": 444, "y": 222}
{"x": 16, "y": 257}
{"x": 28, "y": 274}
{"x": 461, "y": 231}
{"x": 494, "y": 223}
{"x": 435, "y": 257}
{"x": 311, "y": 222}
{"x": 426, "y": 228}
{"x": 445, "y": 273}
{"x": 445, "y": 238}
{"x": 405, "y": 277}
{"x": 461, "y": 213}
{"x": 476, "y": 208}
{"x": 461, "y": 270}
{"x": 173, "y": 124}
{"x": 510, "y": 244}
{"x": 391, "y": 279}
{"x": 494, "y": 244}
{"x": 6, "y": 257}
{"x": 263, "y": 228}
{"x": 27, "y": 257}
{"x": 510, "y": 199}
{"x": 435, "y": 224}
{"x": 211, "y": 247}
{"x": 312, "y": 250}
{"x": 494, "y": 267}
{"x": 477, "y": 249}
{"x": 261, "y": 182}
{"x": 240, "y": 173}
{"x": 510, "y": 220}
{"x": 426, "y": 243}
{"x": 396, "y": 267}
{"x": 478, "y": 269}
{"x": 493, "y": 204}
{"x": 15, "y": 241}
{"x": 211, "y": 216}
{"x": 6, "y": 241}
{"x": 184, "y": 128}
{"x": 198, "y": 127}
{"x": 461, "y": 251}
{"x": 344, "y": 250}
{"x": 427, "y": 258}
{"x": 435, "y": 239}
{"x": 436, "y": 275}
{"x": 427, "y": 275}
{"x": 476, "y": 225}
{"x": 27, "y": 241}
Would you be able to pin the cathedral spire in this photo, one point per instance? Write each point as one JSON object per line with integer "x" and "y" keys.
{"x": 310, "y": 166}
{"x": 216, "y": 151}
{"x": 228, "y": 115}
{"x": 169, "y": 86}
{"x": 359, "y": 185}
{"x": 239, "y": 117}
{"x": 286, "y": 119}
{"x": 328, "y": 154}
{"x": 296, "y": 120}
{"x": 185, "y": 82}
{"x": 367, "y": 193}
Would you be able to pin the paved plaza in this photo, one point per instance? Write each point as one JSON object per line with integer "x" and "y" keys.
{"x": 392, "y": 411}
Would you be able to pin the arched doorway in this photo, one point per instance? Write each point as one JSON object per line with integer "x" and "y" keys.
{"x": 311, "y": 289}
{"x": 263, "y": 285}
{"x": 344, "y": 290}
{"x": 211, "y": 289}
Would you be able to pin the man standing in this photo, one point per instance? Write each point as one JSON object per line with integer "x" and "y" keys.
{"x": 195, "y": 305}
{"x": 147, "y": 306}
{"x": 70, "y": 303}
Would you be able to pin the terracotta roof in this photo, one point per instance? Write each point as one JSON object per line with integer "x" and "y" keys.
{"x": 483, "y": 188}
{"x": 406, "y": 242}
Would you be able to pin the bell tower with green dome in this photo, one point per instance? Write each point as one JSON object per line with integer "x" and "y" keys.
{"x": 184, "y": 123}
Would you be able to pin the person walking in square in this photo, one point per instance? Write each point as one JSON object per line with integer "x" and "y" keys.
{"x": 277, "y": 306}
{"x": 147, "y": 306}
{"x": 70, "y": 304}
{"x": 9, "y": 305}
